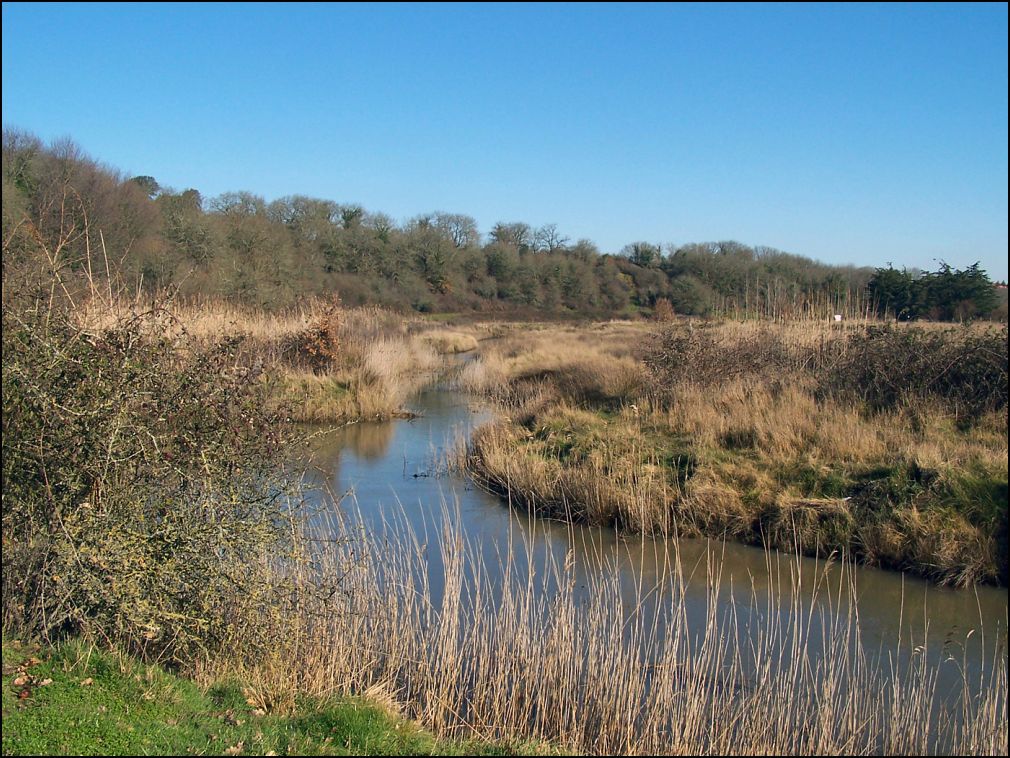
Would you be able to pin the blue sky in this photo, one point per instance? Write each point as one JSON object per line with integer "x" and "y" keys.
{"x": 852, "y": 134}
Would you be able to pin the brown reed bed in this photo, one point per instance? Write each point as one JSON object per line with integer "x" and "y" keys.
{"x": 593, "y": 672}
{"x": 324, "y": 362}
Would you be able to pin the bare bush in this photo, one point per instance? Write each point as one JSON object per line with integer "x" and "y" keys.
{"x": 884, "y": 366}
{"x": 689, "y": 353}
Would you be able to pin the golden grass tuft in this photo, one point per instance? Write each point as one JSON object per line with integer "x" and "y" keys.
{"x": 484, "y": 375}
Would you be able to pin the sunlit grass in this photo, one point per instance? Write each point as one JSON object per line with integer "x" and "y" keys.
{"x": 588, "y": 434}
{"x": 75, "y": 699}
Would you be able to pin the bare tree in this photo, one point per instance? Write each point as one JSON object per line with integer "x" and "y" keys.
{"x": 547, "y": 239}
{"x": 515, "y": 234}
{"x": 460, "y": 228}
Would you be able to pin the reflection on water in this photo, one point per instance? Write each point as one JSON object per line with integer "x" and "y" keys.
{"x": 400, "y": 459}
{"x": 393, "y": 480}
{"x": 368, "y": 441}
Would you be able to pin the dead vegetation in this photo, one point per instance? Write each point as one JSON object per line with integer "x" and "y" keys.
{"x": 324, "y": 362}
{"x": 595, "y": 671}
{"x": 889, "y": 443}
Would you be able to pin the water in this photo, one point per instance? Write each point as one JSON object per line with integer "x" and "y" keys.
{"x": 392, "y": 477}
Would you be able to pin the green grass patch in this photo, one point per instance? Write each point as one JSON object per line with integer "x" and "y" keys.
{"x": 72, "y": 699}
{"x": 979, "y": 495}
{"x": 811, "y": 480}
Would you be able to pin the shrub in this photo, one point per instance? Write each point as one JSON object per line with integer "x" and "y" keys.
{"x": 696, "y": 354}
{"x": 318, "y": 346}
{"x": 963, "y": 368}
{"x": 663, "y": 311}
{"x": 141, "y": 503}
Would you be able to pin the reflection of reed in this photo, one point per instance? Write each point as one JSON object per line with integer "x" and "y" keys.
{"x": 368, "y": 441}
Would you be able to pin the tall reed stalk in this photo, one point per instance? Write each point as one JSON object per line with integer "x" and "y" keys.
{"x": 504, "y": 642}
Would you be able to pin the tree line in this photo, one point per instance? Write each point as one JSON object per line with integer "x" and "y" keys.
{"x": 272, "y": 254}
{"x": 947, "y": 294}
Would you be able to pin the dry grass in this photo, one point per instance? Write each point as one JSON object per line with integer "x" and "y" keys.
{"x": 599, "y": 672}
{"x": 213, "y": 319}
{"x": 758, "y": 457}
{"x": 483, "y": 375}
{"x": 595, "y": 363}
{"x": 575, "y": 468}
{"x": 370, "y": 366}
{"x": 445, "y": 341}
{"x": 534, "y": 348}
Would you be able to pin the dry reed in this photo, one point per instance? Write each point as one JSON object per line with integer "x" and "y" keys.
{"x": 326, "y": 363}
{"x": 434, "y": 627}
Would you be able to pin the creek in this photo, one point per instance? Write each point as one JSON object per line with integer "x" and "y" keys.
{"x": 392, "y": 477}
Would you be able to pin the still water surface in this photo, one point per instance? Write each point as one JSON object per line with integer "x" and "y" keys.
{"x": 392, "y": 477}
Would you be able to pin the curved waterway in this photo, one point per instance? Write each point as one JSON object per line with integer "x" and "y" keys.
{"x": 392, "y": 477}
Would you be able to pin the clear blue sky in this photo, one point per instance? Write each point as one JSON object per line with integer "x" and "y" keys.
{"x": 847, "y": 133}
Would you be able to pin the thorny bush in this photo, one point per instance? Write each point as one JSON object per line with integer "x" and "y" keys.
{"x": 962, "y": 367}
{"x": 141, "y": 497}
{"x": 688, "y": 353}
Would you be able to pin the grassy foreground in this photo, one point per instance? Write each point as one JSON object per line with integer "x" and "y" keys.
{"x": 72, "y": 699}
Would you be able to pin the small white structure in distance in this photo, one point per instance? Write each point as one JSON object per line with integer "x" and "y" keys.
{"x": 838, "y": 317}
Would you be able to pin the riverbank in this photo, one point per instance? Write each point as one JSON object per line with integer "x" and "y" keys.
{"x": 727, "y": 430}
{"x": 733, "y": 432}
{"x": 75, "y": 699}
{"x": 321, "y": 362}
{"x": 179, "y": 537}
{"x": 876, "y": 442}
{"x": 396, "y": 495}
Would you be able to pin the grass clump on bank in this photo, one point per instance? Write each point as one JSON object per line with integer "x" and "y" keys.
{"x": 887, "y": 443}
{"x": 73, "y": 699}
{"x": 320, "y": 362}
